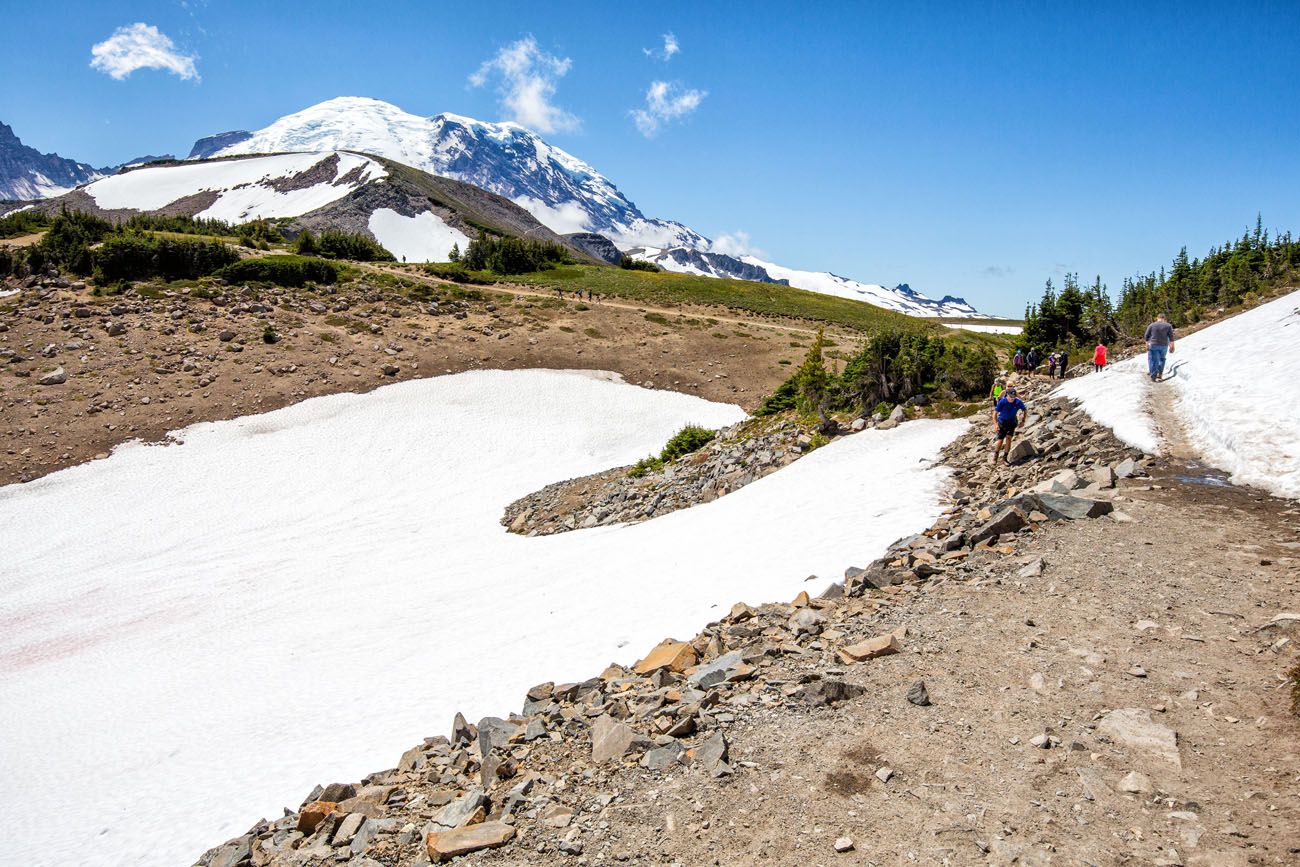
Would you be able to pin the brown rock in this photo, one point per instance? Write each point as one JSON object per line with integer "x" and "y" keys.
{"x": 444, "y": 845}
{"x": 672, "y": 655}
{"x": 315, "y": 813}
{"x": 881, "y": 645}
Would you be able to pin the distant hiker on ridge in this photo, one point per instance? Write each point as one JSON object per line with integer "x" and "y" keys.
{"x": 1160, "y": 342}
{"x": 1005, "y": 420}
{"x": 1051, "y": 366}
{"x": 1063, "y": 362}
{"x": 1019, "y": 361}
{"x": 1033, "y": 358}
{"x": 1099, "y": 358}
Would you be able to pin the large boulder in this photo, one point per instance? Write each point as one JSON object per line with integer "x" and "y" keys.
{"x": 445, "y": 845}
{"x": 1007, "y": 518}
{"x": 611, "y": 739}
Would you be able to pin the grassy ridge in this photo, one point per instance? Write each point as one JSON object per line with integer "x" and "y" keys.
{"x": 765, "y": 299}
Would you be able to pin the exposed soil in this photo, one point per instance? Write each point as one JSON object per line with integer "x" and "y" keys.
{"x": 138, "y": 384}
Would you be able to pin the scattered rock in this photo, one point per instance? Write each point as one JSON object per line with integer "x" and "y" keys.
{"x": 444, "y": 845}
{"x": 1134, "y": 727}
{"x": 57, "y": 376}
{"x": 843, "y": 844}
{"x": 919, "y": 695}
{"x": 881, "y": 645}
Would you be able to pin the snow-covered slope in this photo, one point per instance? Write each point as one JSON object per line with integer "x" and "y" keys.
{"x": 419, "y": 217}
{"x": 1234, "y": 388}
{"x": 902, "y": 298}
{"x": 285, "y": 185}
{"x": 564, "y": 193}
{"x": 195, "y": 635}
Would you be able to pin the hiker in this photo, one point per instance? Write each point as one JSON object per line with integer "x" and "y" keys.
{"x": 1033, "y": 358}
{"x": 1018, "y": 363}
{"x": 1099, "y": 358}
{"x": 1063, "y": 362}
{"x": 1160, "y": 342}
{"x": 996, "y": 391}
{"x": 1005, "y": 420}
{"x": 590, "y": 296}
{"x": 1051, "y": 366}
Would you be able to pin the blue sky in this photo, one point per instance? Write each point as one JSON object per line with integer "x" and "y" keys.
{"x": 963, "y": 150}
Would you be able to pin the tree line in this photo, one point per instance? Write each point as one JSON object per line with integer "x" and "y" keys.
{"x": 1228, "y": 275}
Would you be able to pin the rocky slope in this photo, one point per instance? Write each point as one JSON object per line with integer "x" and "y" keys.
{"x": 989, "y": 691}
{"x": 26, "y": 173}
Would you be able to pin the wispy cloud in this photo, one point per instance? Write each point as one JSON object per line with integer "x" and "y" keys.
{"x": 665, "y": 103}
{"x": 140, "y": 46}
{"x": 670, "y": 47}
{"x": 526, "y": 77}
{"x": 997, "y": 271}
{"x": 736, "y": 243}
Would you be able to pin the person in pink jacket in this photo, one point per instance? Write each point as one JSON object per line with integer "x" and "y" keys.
{"x": 1099, "y": 357}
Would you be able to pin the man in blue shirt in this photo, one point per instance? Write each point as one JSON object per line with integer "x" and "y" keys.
{"x": 1009, "y": 412}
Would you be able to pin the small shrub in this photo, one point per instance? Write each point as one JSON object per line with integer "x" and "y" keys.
{"x": 657, "y": 318}
{"x": 282, "y": 271}
{"x": 269, "y": 335}
{"x": 649, "y": 464}
{"x": 688, "y": 439}
{"x": 592, "y": 333}
{"x": 627, "y": 263}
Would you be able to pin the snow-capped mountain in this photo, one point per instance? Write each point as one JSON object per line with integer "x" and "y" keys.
{"x": 419, "y": 217}
{"x": 902, "y": 297}
{"x": 26, "y": 173}
{"x": 564, "y": 193}
{"x": 559, "y": 189}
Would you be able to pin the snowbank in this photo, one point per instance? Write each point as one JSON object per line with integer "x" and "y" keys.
{"x": 1234, "y": 387}
{"x": 245, "y": 187}
{"x": 193, "y": 635}
{"x": 1238, "y": 390}
{"x": 1117, "y": 397}
{"x": 985, "y": 329}
{"x": 422, "y": 238}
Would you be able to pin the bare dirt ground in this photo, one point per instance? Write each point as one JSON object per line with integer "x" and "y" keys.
{"x": 171, "y": 366}
{"x": 1162, "y": 607}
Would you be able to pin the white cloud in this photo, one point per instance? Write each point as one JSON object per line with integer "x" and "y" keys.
{"x": 671, "y": 47}
{"x": 563, "y": 218}
{"x": 665, "y": 102}
{"x": 527, "y": 77}
{"x": 735, "y": 244}
{"x": 140, "y": 46}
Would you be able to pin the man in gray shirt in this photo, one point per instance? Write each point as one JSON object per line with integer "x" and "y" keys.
{"x": 1160, "y": 342}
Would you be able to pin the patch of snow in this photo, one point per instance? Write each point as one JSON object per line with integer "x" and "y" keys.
{"x": 563, "y": 218}
{"x": 422, "y": 238}
{"x": 1233, "y": 386}
{"x": 1117, "y": 398}
{"x": 1236, "y": 390}
{"x": 5, "y": 293}
{"x": 985, "y": 329}
{"x": 242, "y": 184}
{"x": 194, "y": 635}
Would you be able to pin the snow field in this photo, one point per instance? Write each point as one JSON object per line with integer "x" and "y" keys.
{"x": 1237, "y": 390}
{"x": 192, "y": 636}
{"x": 985, "y": 329}
{"x": 422, "y": 238}
{"x": 1117, "y": 397}
{"x": 1234, "y": 387}
{"x": 241, "y": 183}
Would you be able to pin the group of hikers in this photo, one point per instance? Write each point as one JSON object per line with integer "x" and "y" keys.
{"x": 1057, "y": 362}
{"x": 1009, "y": 410}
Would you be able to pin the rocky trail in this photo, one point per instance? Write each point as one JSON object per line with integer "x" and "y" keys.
{"x": 1083, "y": 661}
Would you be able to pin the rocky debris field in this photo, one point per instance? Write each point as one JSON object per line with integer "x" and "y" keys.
{"x": 1077, "y": 663}
{"x": 739, "y": 455}
{"x": 81, "y": 373}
